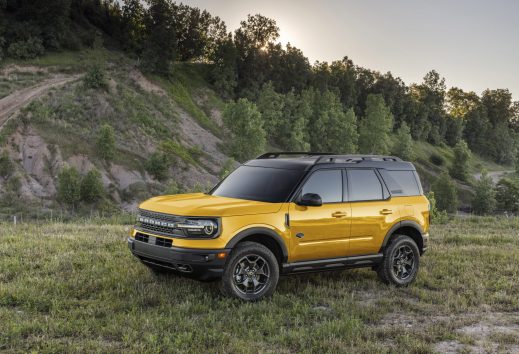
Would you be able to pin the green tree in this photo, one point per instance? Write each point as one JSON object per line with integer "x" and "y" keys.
{"x": 437, "y": 216}
{"x": 271, "y": 105}
{"x": 69, "y": 186}
{"x": 507, "y": 194}
{"x": 403, "y": 147}
{"x": 445, "y": 193}
{"x": 106, "y": 142}
{"x": 485, "y": 195}
{"x": 245, "y": 124}
{"x": 92, "y": 189}
{"x": 6, "y": 165}
{"x": 160, "y": 42}
{"x": 294, "y": 118}
{"x": 460, "y": 165}
{"x": 375, "y": 127}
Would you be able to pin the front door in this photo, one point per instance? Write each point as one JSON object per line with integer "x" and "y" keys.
{"x": 321, "y": 232}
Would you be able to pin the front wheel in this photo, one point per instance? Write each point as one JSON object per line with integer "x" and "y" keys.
{"x": 401, "y": 261}
{"x": 251, "y": 272}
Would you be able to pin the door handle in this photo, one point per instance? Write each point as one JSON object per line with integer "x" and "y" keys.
{"x": 386, "y": 211}
{"x": 339, "y": 214}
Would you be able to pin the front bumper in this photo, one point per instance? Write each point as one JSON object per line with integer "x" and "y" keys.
{"x": 196, "y": 263}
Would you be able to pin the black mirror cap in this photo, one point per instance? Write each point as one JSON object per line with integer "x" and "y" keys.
{"x": 310, "y": 199}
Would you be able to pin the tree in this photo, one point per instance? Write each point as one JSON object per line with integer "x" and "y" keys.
{"x": 460, "y": 165}
{"x": 375, "y": 127}
{"x": 293, "y": 123}
{"x": 244, "y": 122}
{"x": 403, "y": 147}
{"x": 6, "y": 165}
{"x": 485, "y": 196}
{"x": 92, "y": 188}
{"x": 69, "y": 186}
{"x": 271, "y": 105}
{"x": 106, "y": 142}
{"x": 158, "y": 165}
{"x": 445, "y": 193}
{"x": 507, "y": 194}
{"x": 160, "y": 43}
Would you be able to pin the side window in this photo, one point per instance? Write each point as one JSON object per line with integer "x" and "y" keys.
{"x": 326, "y": 183}
{"x": 364, "y": 185}
{"x": 401, "y": 183}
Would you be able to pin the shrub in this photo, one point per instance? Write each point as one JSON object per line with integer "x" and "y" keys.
{"x": 106, "y": 142}
{"x": 69, "y": 186}
{"x": 29, "y": 49}
{"x": 485, "y": 196}
{"x": 436, "y": 159}
{"x": 95, "y": 77}
{"x": 403, "y": 147}
{"x": 446, "y": 194}
{"x": 6, "y": 165}
{"x": 437, "y": 216}
{"x": 92, "y": 189}
{"x": 158, "y": 165}
{"x": 507, "y": 194}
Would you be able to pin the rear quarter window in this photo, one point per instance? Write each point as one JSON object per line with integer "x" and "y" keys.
{"x": 401, "y": 183}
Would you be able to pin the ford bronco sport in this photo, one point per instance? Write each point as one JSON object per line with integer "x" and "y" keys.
{"x": 286, "y": 213}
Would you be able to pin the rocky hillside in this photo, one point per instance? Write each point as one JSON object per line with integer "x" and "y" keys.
{"x": 50, "y": 118}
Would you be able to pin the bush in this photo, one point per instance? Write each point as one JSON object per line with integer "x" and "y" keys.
{"x": 460, "y": 166}
{"x": 158, "y": 165}
{"x": 92, "y": 189}
{"x": 436, "y": 159}
{"x": 485, "y": 196}
{"x": 106, "y": 142}
{"x": 437, "y": 216}
{"x": 69, "y": 186}
{"x": 507, "y": 194}
{"x": 29, "y": 49}
{"x": 6, "y": 165}
{"x": 95, "y": 77}
{"x": 403, "y": 147}
{"x": 445, "y": 193}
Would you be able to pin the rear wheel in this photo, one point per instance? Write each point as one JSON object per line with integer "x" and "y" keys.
{"x": 401, "y": 261}
{"x": 251, "y": 272}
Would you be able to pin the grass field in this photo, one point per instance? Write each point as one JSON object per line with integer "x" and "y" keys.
{"x": 76, "y": 288}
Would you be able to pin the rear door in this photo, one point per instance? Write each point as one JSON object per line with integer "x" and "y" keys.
{"x": 321, "y": 232}
{"x": 372, "y": 211}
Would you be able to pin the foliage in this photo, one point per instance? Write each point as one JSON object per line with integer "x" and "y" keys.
{"x": 403, "y": 146}
{"x": 6, "y": 165}
{"x": 437, "y": 159}
{"x": 375, "y": 127}
{"x": 95, "y": 77}
{"x": 445, "y": 193}
{"x": 26, "y": 49}
{"x": 244, "y": 122}
{"x": 69, "y": 186}
{"x": 106, "y": 142}
{"x": 460, "y": 165}
{"x": 507, "y": 194}
{"x": 227, "y": 168}
{"x": 158, "y": 165}
{"x": 485, "y": 196}
{"x": 92, "y": 189}
{"x": 437, "y": 216}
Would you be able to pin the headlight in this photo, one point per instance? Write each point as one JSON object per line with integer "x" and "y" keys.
{"x": 199, "y": 227}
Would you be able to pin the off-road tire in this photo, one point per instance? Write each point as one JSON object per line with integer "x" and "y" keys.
{"x": 235, "y": 264}
{"x": 387, "y": 270}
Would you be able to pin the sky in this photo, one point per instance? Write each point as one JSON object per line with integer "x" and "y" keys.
{"x": 474, "y": 44}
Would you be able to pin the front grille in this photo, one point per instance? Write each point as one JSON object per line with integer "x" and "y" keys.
{"x": 157, "y": 223}
{"x": 157, "y": 241}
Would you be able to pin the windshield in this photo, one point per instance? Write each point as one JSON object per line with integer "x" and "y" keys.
{"x": 262, "y": 184}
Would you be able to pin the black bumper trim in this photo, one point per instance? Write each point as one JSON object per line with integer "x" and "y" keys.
{"x": 200, "y": 263}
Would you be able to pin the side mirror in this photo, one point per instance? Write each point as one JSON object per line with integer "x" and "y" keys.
{"x": 310, "y": 199}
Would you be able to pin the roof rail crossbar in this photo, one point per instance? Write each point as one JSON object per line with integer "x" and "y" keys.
{"x": 275, "y": 155}
{"x": 355, "y": 158}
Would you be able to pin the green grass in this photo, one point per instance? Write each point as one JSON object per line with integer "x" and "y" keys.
{"x": 76, "y": 288}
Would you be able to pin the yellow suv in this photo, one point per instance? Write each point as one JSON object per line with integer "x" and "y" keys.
{"x": 287, "y": 213}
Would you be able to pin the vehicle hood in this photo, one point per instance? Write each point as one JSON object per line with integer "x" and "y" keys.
{"x": 200, "y": 204}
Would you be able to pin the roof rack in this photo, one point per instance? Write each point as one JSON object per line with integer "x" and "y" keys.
{"x": 355, "y": 158}
{"x": 275, "y": 155}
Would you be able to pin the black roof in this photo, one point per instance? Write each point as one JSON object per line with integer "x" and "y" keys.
{"x": 309, "y": 160}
